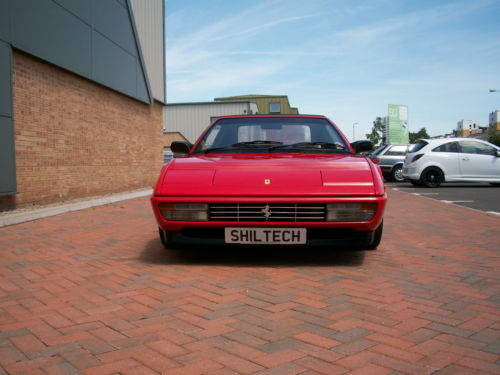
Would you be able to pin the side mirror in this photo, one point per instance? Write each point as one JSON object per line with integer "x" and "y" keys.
{"x": 362, "y": 146}
{"x": 498, "y": 153}
{"x": 180, "y": 147}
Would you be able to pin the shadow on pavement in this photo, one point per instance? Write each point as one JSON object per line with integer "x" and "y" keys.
{"x": 259, "y": 256}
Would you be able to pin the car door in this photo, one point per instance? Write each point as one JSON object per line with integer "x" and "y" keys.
{"x": 446, "y": 158}
{"x": 479, "y": 161}
{"x": 394, "y": 154}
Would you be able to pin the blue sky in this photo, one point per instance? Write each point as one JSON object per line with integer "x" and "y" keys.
{"x": 344, "y": 59}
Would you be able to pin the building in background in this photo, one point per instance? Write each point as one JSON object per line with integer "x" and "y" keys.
{"x": 466, "y": 128}
{"x": 78, "y": 114}
{"x": 266, "y": 104}
{"x": 191, "y": 119}
{"x": 494, "y": 122}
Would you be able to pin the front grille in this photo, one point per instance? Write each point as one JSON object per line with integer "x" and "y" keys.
{"x": 267, "y": 212}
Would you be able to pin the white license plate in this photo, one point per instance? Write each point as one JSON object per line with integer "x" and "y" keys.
{"x": 263, "y": 236}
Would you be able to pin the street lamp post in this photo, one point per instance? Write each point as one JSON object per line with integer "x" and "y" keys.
{"x": 353, "y": 134}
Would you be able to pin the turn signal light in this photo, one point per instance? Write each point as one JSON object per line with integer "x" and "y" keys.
{"x": 184, "y": 211}
{"x": 350, "y": 211}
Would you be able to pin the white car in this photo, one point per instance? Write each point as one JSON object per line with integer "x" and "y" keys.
{"x": 433, "y": 161}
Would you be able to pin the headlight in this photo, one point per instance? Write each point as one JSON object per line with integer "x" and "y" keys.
{"x": 184, "y": 211}
{"x": 350, "y": 211}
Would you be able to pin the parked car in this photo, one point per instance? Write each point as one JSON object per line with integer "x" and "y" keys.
{"x": 167, "y": 156}
{"x": 434, "y": 161}
{"x": 390, "y": 159}
{"x": 276, "y": 180}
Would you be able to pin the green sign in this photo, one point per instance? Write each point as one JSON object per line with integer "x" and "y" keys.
{"x": 398, "y": 131}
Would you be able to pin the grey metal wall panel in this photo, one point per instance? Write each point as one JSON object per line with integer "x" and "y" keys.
{"x": 62, "y": 32}
{"x": 112, "y": 21}
{"x": 7, "y": 157}
{"x": 79, "y": 8}
{"x": 5, "y": 80}
{"x": 142, "y": 89}
{"x": 113, "y": 66}
{"x": 4, "y": 21}
{"x": 45, "y": 29}
{"x": 7, "y": 154}
{"x": 149, "y": 20}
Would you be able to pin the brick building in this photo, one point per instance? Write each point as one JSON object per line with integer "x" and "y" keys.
{"x": 78, "y": 117}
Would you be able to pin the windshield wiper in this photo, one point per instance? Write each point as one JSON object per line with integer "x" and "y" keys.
{"x": 206, "y": 151}
{"x": 243, "y": 144}
{"x": 258, "y": 143}
{"x": 314, "y": 145}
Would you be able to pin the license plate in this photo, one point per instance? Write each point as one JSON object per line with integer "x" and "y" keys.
{"x": 405, "y": 170}
{"x": 263, "y": 236}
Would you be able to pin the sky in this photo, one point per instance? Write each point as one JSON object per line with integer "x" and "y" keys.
{"x": 346, "y": 60}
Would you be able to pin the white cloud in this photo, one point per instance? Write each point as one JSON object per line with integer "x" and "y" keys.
{"x": 348, "y": 62}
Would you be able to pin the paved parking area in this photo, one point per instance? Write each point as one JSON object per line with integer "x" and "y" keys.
{"x": 479, "y": 196}
{"x": 94, "y": 292}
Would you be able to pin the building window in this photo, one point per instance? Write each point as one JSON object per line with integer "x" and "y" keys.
{"x": 274, "y": 108}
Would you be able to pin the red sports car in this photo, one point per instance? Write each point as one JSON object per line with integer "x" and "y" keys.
{"x": 287, "y": 180}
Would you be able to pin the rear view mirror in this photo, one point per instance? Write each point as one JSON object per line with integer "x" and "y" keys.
{"x": 180, "y": 147}
{"x": 362, "y": 146}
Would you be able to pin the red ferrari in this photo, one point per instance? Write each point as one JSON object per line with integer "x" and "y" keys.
{"x": 270, "y": 180}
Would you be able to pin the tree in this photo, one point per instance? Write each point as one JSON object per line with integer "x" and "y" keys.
{"x": 421, "y": 134}
{"x": 377, "y": 136}
{"x": 493, "y": 135}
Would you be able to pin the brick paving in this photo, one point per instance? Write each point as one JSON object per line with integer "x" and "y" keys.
{"x": 94, "y": 292}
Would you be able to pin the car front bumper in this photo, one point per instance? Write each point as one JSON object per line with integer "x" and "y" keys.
{"x": 318, "y": 232}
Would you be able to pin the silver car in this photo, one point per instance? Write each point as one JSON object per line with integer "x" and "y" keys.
{"x": 390, "y": 159}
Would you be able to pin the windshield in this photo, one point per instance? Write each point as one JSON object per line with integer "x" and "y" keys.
{"x": 270, "y": 134}
{"x": 378, "y": 150}
{"x": 418, "y": 146}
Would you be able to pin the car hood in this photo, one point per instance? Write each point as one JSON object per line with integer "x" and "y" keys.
{"x": 270, "y": 174}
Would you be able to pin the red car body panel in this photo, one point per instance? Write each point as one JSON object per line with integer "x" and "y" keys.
{"x": 289, "y": 175}
{"x": 270, "y": 177}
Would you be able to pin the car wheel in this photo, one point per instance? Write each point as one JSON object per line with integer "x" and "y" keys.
{"x": 432, "y": 177}
{"x": 377, "y": 237}
{"x": 397, "y": 174}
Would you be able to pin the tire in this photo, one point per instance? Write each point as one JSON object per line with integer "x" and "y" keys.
{"x": 377, "y": 237}
{"x": 397, "y": 174}
{"x": 416, "y": 182}
{"x": 495, "y": 184}
{"x": 431, "y": 177}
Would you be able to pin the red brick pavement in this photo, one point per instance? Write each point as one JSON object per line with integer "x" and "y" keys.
{"x": 94, "y": 292}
